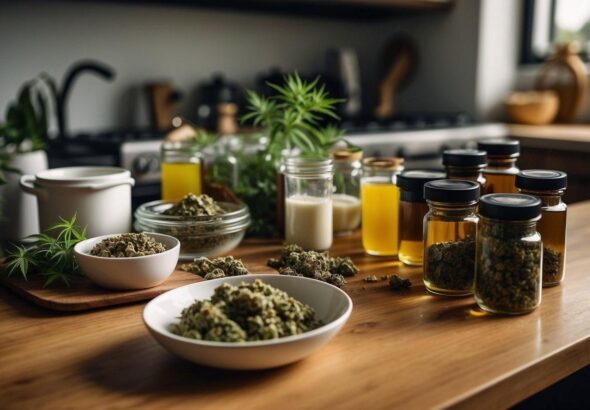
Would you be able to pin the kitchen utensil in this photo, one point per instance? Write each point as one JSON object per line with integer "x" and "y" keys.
{"x": 331, "y": 305}
{"x": 139, "y": 272}
{"x": 532, "y": 107}
{"x": 343, "y": 65}
{"x": 211, "y": 95}
{"x": 163, "y": 98}
{"x": 99, "y": 196}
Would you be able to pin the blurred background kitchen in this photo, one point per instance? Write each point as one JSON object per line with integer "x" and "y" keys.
{"x": 419, "y": 76}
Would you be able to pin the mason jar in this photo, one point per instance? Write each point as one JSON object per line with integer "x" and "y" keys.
{"x": 500, "y": 173}
{"x": 450, "y": 228}
{"x": 549, "y": 186}
{"x": 308, "y": 202}
{"x": 508, "y": 278}
{"x": 412, "y": 209}
{"x": 346, "y": 198}
{"x": 380, "y": 205}
{"x": 181, "y": 170}
{"x": 465, "y": 164}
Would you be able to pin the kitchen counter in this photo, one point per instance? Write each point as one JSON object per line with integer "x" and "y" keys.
{"x": 399, "y": 349}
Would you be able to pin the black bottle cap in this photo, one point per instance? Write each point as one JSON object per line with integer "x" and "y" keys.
{"x": 500, "y": 147}
{"x": 412, "y": 182}
{"x": 541, "y": 179}
{"x": 451, "y": 191}
{"x": 464, "y": 158}
{"x": 510, "y": 207}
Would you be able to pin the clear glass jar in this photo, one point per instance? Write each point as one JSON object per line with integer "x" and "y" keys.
{"x": 500, "y": 173}
{"x": 508, "y": 277}
{"x": 467, "y": 164}
{"x": 549, "y": 186}
{"x": 412, "y": 209}
{"x": 380, "y": 205}
{"x": 450, "y": 228}
{"x": 181, "y": 171}
{"x": 346, "y": 198}
{"x": 308, "y": 202}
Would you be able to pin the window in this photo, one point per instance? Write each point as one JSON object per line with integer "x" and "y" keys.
{"x": 550, "y": 22}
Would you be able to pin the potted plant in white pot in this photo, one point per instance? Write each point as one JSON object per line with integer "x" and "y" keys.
{"x": 23, "y": 136}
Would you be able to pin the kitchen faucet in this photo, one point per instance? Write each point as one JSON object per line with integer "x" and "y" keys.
{"x": 63, "y": 94}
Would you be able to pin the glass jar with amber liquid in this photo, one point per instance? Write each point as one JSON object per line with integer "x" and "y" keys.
{"x": 181, "y": 170}
{"x": 450, "y": 228}
{"x": 412, "y": 208}
{"x": 380, "y": 205}
{"x": 549, "y": 186}
{"x": 465, "y": 164}
{"x": 501, "y": 170}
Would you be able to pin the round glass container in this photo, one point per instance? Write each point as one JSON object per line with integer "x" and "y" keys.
{"x": 501, "y": 169}
{"x": 465, "y": 164}
{"x": 181, "y": 170}
{"x": 308, "y": 202}
{"x": 412, "y": 209}
{"x": 380, "y": 205}
{"x": 549, "y": 186}
{"x": 508, "y": 277}
{"x": 346, "y": 198}
{"x": 450, "y": 228}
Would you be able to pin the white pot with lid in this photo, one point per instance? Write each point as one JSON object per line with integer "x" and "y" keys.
{"x": 99, "y": 196}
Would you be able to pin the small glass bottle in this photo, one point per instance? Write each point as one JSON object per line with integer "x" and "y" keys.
{"x": 450, "y": 228}
{"x": 508, "y": 277}
{"x": 380, "y": 205}
{"x": 308, "y": 202}
{"x": 549, "y": 186}
{"x": 412, "y": 208}
{"x": 501, "y": 169}
{"x": 181, "y": 171}
{"x": 465, "y": 164}
{"x": 346, "y": 198}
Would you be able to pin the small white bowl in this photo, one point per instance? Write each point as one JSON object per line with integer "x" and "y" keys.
{"x": 138, "y": 272}
{"x": 331, "y": 305}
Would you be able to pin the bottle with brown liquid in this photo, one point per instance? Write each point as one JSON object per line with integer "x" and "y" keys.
{"x": 501, "y": 169}
{"x": 465, "y": 164}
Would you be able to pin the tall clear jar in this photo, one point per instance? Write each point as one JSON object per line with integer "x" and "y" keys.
{"x": 308, "y": 202}
{"x": 500, "y": 173}
{"x": 380, "y": 205}
{"x": 549, "y": 186}
{"x": 346, "y": 199}
{"x": 467, "y": 164}
{"x": 450, "y": 228}
{"x": 508, "y": 278}
{"x": 412, "y": 209}
{"x": 181, "y": 170}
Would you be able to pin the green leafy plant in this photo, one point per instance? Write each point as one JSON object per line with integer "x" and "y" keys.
{"x": 51, "y": 256}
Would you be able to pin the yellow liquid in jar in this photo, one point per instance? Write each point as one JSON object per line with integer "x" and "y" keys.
{"x": 380, "y": 218}
{"x": 552, "y": 227}
{"x": 411, "y": 252}
{"x": 179, "y": 179}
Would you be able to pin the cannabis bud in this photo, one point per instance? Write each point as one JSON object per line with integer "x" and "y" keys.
{"x": 195, "y": 205}
{"x": 127, "y": 245}
{"x": 371, "y": 278}
{"x": 451, "y": 265}
{"x": 398, "y": 283}
{"x": 215, "y": 268}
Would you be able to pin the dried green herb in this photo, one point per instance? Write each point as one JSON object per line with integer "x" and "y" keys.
{"x": 396, "y": 282}
{"x": 127, "y": 245}
{"x": 195, "y": 205}
{"x": 295, "y": 261}
{"x": 247, "y": 312}
{"x": 371, "y": 279}
{"x": 216, "y": 268}
{"x": 451, "y": 265}
{"x": 552, "y": 271}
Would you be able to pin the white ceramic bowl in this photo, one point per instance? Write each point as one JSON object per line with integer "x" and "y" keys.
{"x": 138, "y": 272}
{"x": 331, "y": 305}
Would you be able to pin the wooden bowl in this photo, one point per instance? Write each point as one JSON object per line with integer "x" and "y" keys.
{"x": 532, "y": 107}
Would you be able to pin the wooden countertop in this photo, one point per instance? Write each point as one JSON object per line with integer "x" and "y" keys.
{"x": 408, "y": 350}
{"x": 568, "y": 137}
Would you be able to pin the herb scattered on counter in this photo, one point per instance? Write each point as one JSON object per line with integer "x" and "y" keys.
{"x": 371, "y": 279}
{"x": 195, "y": 205}
{"x": 295, "y": 261}
{"x": 127, "y": 245}
{"x": 51, "y": 254}
{"x": 247, "y": 312}
{"x": 451, "y": 265}
{"x": 396, "y": 282}
{"x": 551, "y": 266}
{"x": 215, "y": 268}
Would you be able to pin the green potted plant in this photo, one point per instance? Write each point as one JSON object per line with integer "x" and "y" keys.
{"x": 23, "y": 136}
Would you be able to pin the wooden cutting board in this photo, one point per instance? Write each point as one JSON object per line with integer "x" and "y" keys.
{"x": 85, "y": 295}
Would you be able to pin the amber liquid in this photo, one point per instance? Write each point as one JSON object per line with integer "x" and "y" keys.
{"x": 180, "y": 179}
{"x": 380, "y": 217}
{"x": 411, "y": 217}
{"x": 497, "y": 183}
{"x": 552, "y": 226}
